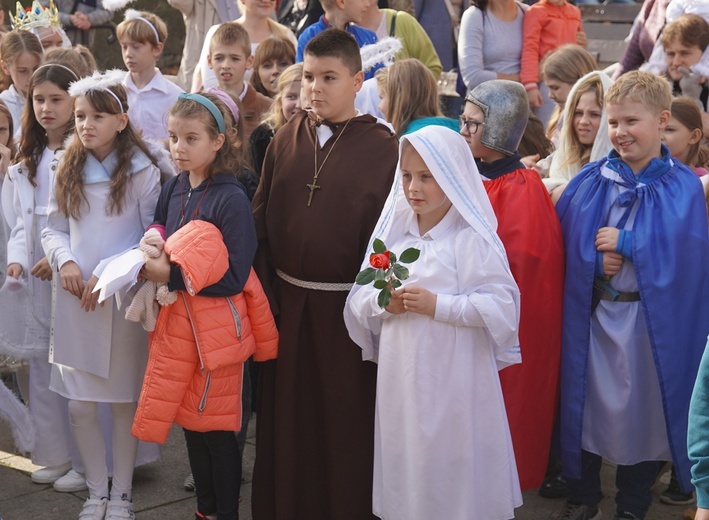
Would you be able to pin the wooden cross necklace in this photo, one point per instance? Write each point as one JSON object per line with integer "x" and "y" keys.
{"x": 314, "y": 186}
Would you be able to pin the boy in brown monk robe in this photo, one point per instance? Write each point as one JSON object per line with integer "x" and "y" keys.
{"x": 325, "y": 178}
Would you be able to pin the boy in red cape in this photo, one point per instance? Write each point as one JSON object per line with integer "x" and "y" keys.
{"x": 493, "y": 122}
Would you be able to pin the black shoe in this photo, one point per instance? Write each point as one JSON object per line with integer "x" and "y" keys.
{"x": 554, "y": 487}
{"x": 674, "y": 496}
{"x": 625, "y": 515}
{"x": 580, "y": 512}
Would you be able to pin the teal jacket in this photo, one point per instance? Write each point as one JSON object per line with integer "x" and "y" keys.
{"x": 698, "y": 432}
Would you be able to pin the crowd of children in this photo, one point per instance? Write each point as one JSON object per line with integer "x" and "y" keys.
{"x": 549, "y": 315}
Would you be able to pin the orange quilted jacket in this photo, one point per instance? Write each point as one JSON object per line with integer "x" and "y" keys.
{"x": 197, "y": 351}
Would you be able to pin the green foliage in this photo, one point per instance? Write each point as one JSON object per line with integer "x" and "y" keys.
{"x": 401, "y": 272}
{"x": 366, "y": 276}
{"x": 384, "y": 297}
{"x": 410, "y": 255}
{"x": 379, "y": 246}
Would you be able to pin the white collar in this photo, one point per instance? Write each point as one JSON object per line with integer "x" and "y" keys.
{"x": 436, "y": 231}
{"x": 324, "y": 132}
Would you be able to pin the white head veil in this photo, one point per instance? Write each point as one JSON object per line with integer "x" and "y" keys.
{"x": 561, "y": 169}
{"x": 448, "y": 157}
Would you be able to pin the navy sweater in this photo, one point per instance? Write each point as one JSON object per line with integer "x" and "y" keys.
{"x": 222, "y": 201}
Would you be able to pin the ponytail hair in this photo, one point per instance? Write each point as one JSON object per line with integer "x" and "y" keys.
{"x": 70, "y": 192}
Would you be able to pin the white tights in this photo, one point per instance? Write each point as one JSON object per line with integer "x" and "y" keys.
{"x": 92, "y": 448}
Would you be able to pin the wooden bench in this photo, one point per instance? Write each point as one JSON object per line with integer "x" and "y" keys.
{"x": 607, "y": 26}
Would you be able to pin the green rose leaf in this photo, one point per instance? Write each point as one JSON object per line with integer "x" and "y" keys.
{"x": 410, "y": 255}
{"x": 379, "y": 275}
{"x": 365, "y": 276}
{"x": 392, "y": 258}
{"x": 401, "y": 272}
{"x": 379, "y": 246}
{"x": 384, "y": 297}
{"x": 396, "y": 284}
{"x": 380, "y": 284}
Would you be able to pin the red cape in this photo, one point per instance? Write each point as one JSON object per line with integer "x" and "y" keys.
{"x": 531, "y": 233}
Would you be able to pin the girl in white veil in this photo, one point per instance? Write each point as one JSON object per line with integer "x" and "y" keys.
{"x": 442, "y": 442}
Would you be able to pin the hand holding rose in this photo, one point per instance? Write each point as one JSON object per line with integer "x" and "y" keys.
{"x": 419, "y": 300}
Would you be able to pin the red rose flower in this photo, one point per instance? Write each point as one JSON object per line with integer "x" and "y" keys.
{"x": 380, "y": 261}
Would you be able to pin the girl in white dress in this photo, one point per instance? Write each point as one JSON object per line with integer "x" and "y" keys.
{"x": 442, "y": 442}
{"x": 47, "y": 121}
{"x": 106, "y": 189}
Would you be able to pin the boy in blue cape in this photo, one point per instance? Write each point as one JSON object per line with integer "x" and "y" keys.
{"x": 635, "y": 305}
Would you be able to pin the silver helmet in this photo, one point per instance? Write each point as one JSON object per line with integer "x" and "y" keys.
{"x": 506, "y": 110}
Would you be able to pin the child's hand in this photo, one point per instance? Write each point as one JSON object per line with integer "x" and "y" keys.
{"x": 157, "y": 269}
{"x": 607, "y": 239}
{"x": 581, "y": 38}
{"x": 89, "y": 298}
{"x": 14, "y": 270}
{"x": 42, "y": 270}
{"x": 535, "y": 98}
{"x": 396, "y": 305}
{"x": 419, "y": 300}
{"x": 530, "y": 161}
{"x": 701, "y": 514}
{"x": 612, "y": 263}
{"x": 72, "y": 281}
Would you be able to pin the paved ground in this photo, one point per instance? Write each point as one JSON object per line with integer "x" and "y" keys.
{"x": 158, "y": 492}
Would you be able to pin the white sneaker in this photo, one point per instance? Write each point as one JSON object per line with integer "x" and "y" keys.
{"x": 71, "y": 483}
{"x": 50, "y": 474}
{"x": 94, "y": 509}
{"x": 120, "y": 509}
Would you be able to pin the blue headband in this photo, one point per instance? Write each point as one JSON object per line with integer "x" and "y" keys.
{"x": 206, "y": 103}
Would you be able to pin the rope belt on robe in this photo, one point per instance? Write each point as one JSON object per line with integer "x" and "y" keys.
{"x": 316, "y": 286}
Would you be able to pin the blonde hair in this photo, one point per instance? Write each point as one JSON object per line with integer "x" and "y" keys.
{"x": 412, "y": 93}
{"x": 578, "y": 153}
{"x": 12, "y": 45}
{"x": 686, "y": 111}
{"x": 650, "y": 90}
{"x": 138, "y": 31}
{"x": 70, "y": 173}
{"x": 274, "y": 118}
{"x": 69, "y": 58}
{"x": 567, "y": 64}
{"x": 88, "y": 58}
{"x": 232, "y": 33}
{"x": 271, "y": 49}
{"x": 230, "y": 157}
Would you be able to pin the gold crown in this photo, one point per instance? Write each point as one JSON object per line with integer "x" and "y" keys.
{"x": 35, "y": 16}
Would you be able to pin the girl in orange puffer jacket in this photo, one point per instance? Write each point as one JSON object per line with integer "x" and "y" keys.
{"x": 221, "y": 316}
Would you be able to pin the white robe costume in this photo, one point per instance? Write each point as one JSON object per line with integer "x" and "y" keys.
{"x": 442, "y": 441}
{"x": 99, "y": 356}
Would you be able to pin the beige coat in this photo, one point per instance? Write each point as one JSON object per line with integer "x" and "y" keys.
{"x": 199, "y": 16}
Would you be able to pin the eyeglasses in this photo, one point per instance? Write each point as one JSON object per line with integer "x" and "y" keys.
{"x": 470, "y": 125}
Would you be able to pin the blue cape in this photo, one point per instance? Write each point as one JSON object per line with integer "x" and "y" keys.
{"x": 670, "y": 245}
